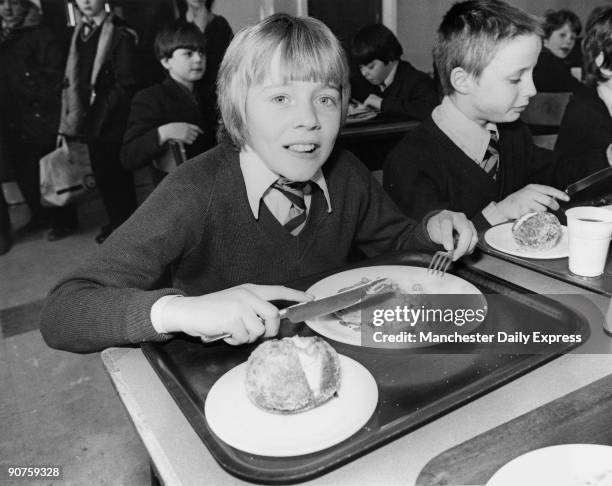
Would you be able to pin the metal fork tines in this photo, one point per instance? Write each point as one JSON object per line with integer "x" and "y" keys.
{"x": 440, "y": 262}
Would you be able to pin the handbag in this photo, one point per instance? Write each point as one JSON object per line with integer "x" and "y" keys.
{"x": 66, "y": 176}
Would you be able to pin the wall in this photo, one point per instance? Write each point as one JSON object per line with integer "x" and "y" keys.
{"x": 417, "y": 21}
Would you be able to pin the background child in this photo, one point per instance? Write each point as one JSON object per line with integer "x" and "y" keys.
{"x": 100, "y": 80}
{"x": 473, "y": 154}
{"x": 552, "y": 73}
{"x": 400, "y": 89}
{"x": 587, "y": 122}
{"x": 171, "y": 110}
{"x": 257, "y": 208}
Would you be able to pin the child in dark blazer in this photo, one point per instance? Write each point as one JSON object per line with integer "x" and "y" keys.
{"x": 99, "y": 82}
{"x": 172, "y": 109}
{"x": 398, "y": 89}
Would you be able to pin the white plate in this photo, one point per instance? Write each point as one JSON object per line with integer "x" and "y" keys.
{"x": 561, "y": 465}
{"x": 243, "y": 425}
{"x": 500, "y": 238}
{"x": 405, "y": 277}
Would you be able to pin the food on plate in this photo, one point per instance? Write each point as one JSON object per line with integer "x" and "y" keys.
{"x": 292, "y": 374}
{"x": 389, "y": 297}
{"x": 537, "y": 230}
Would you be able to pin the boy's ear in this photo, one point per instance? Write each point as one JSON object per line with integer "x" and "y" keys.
{"x": 461, "y": 80}
{"x": 164, "y": 62}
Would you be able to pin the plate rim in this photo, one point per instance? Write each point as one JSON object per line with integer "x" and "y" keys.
{"x": 531, "y": 256}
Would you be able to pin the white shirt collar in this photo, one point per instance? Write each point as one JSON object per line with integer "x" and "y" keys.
{"x": 99, "y": 19}
{"x": 469, "y": 136}
{"x": 258, "y": 178}
{"x": 389, "y": 79}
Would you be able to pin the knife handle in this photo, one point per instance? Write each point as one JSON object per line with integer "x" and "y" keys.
{"x": 217, "y": 337}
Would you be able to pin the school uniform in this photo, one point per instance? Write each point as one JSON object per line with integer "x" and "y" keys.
{"x": 163, "y": 103}
{"x": 431, "y": 169}
{"x": 410, "y": 94}
{"x": 100, "y": 80}
{"x": 552, "y": 74}
{"x": 586, "y": 124}
{"x": 204, "y": 224}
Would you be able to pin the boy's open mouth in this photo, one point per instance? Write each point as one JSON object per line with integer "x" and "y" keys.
{"x": 302, "y": 147}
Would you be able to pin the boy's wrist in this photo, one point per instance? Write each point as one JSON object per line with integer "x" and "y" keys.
{"x": 159, "y": 314}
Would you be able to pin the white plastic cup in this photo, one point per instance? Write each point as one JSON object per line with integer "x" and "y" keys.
{"x": 589, "y": 230}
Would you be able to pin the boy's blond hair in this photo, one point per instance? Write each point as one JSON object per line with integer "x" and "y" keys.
{"x": 471, "y": 32}
{"x": 308, "y": 50}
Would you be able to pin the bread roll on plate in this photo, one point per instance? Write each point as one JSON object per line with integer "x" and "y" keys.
{"x": 537, "y": 230}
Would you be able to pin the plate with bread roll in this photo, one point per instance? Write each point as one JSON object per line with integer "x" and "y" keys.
{"x": 293, "y": 396}
{"x": 537, "y": 235}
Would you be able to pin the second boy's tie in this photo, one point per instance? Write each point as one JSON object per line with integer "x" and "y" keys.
{"x": 294, "y": 191}
{"x": 490, "y": 162}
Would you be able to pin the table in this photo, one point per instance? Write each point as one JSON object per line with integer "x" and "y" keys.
{"x": 372, "y": 140}
{"x": 180, "y": 458}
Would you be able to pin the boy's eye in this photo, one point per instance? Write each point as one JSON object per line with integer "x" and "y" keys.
{"x": 280, "y": 99}
{"x": 515, "y": 80}
{"x": 328, "y": 100}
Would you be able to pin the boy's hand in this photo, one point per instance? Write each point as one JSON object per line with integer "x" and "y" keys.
{"x": 242, "y": 311}
{"x": 533, "y": 197}
{"x": 374, "y": 101}
{"x": 442, "y": 226}
{"x": 183, "y": 132}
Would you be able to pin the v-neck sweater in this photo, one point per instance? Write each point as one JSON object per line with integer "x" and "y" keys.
{"x": 198, "y": 227}
{"x": 427, "y": 171}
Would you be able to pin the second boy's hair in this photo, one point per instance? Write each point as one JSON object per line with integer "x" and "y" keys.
{"x": 375, "y": 41}
{"x": 308, "y": 51}
{"x": 178, "y": 35}
{"x": 598, "y": 40}
{"x": 471, "y": 32}
{"x": 556, "y": 19}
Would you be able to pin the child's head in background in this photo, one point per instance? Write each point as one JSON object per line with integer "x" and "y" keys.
{"x": 485, "y": 54}
{"x": 561, "y": 27}
{"x": 597, "y": 48}
{"x": 376, "y": 50}
{"x": 179, "y": 47}
{"x": 283, "y": 91}
{"x": 90, "y": 8}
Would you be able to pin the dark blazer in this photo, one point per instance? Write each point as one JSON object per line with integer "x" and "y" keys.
{"x": 427, "y": 171}
{"x": 552, "y": 74}
{"x": 586, "y": 124}
{"x": 106, "y": 118}
{"x": 157, "y": 105}
{"x": 412, "y": 94}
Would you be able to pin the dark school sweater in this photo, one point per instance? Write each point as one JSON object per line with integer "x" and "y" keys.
{"x": 198, "y": 225}
{"x": 427, "y": 171}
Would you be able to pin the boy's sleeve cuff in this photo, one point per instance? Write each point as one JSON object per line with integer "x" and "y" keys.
{"x": 157, "y": 312}
{"x": 493, "y": 215}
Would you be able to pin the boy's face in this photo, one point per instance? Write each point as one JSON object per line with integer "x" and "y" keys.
{"x": 185, "y": 65}
{"x": 13, "y": 11}
{"x": 90, "y": 8}
{"x": 503, "y": 90}
{"x": 376, "y": 71}
{"x": 292, "y": 125}
{"x": 561, "y": 41}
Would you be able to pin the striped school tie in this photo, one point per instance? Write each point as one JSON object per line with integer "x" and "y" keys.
{"x": 294, "y": 191}
{"x": 490, "y": 162}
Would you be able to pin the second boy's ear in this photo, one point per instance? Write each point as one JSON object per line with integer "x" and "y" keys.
{"x": 164, "y": 62}
{"x": 461, "y": 80}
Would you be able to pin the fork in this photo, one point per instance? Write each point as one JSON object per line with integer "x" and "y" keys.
{"x": 440, "y": 262}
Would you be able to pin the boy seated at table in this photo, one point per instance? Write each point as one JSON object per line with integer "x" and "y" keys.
{"x": 473, "y": 154}
{"x": 258, "y": 208}
{"x": 171, "y": 110}
{"x": 398, "y": 89}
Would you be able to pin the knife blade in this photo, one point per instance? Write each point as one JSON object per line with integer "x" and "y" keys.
{"x": 320, "y": 307}
{"x": 588, "y": 181}
{"x": 326, "y": 305}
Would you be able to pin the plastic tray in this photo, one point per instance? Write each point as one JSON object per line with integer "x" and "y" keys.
{"x": 414, "y": 387}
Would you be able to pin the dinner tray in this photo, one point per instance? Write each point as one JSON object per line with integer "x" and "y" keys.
{"x": 415, "y": 387}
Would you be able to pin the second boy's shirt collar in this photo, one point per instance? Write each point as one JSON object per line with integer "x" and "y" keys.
{"x": 468, "y": 135}
{"x": 258, "y": 179}
{"x": 389, "y": 79}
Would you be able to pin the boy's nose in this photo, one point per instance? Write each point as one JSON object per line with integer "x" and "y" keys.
{"x": 306, "y": 115}
{"x": 529, "y": 88}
